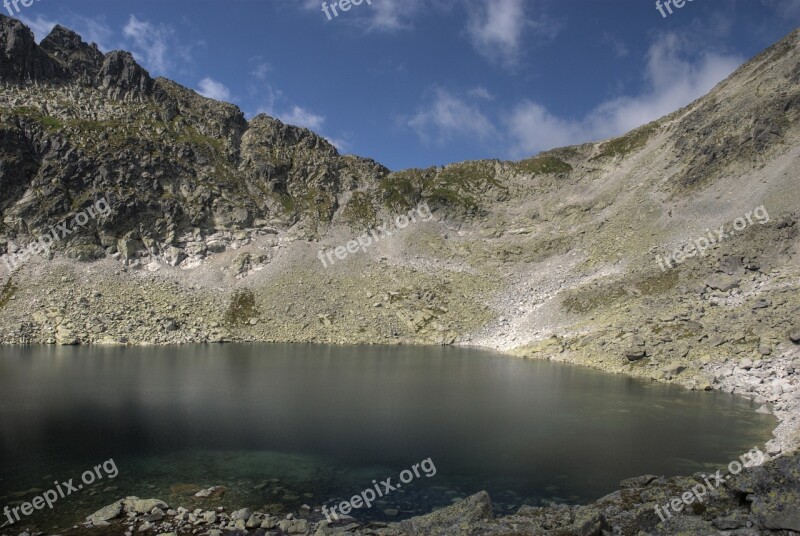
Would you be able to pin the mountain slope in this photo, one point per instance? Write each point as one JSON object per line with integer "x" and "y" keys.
{"x": 223, "y": 229}
{"x": 220, "y": 228}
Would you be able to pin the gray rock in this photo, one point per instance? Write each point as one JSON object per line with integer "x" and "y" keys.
{"x": 293, "y": 526}
{"x": 216, "y": 246}
{"x": 731, "y": 265}
{"x": 157, "y": 514}
{"x": 723, "y": 282}
{"x": 243, "y": 514}
{"x": 637, "y": 481}
{"x": 794, "y": 335}
{"x": 635, "y": 354}
{"x": 174, "y": 256}
{"x": 142, "y": 506}
{"x": 781, "y": 513}
{"x": 107, "y": 513}
{"x": 672, "y": 370}
{"x": 449, "y": 520}
{"x": 589, "y": 521}
{"x": 210, "y": 492}
{"x": 130, "y": 248}
{"x": 730, "y": 522}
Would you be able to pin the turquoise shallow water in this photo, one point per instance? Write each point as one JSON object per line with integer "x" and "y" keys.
{"x": 280, "y": 426}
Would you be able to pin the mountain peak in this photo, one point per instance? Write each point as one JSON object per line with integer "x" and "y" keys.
{"x": 64, "y": 57}
{"x": 21, "y": 59}
{"x": 80, "y": 58}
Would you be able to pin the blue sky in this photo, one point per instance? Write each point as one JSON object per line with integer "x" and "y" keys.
{"x": 415, "y": 83}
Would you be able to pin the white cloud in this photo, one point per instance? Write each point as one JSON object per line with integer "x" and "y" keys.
{"x": 382, "y": 15}
{"x": 152, "y": 43}
{"x": 260, "y": 71}
{"x": 480, "y": 93}
{"x": 498, "y": 27}
{"x": 674, "y": 77}
{"x": 212, "y": 89}
{"x": 532, "y": 128}
{"x": 447, "y": 116}
{"x": 392, "y": 15}
{"x": 671, "y": 79}
{"x": 302, "y": 117}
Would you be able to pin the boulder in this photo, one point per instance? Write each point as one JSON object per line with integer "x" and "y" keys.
{"x": 451, "y": 519}
{"x": 106, "y": 514}
{"x": 174, "y": 256}
{"x": 635, "y": 354}
{"x": 722, "y": 282}
{"x": 794, "y": 335}
{"x": 143, "y": 506}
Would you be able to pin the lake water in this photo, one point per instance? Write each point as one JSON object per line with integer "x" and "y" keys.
{"x": 280, "y": 426}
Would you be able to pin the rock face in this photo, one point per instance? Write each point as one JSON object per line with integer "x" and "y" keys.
{"x": 121, "y": 76}
{"x": 80, "y": 59}
{"x": 21, "y": 60}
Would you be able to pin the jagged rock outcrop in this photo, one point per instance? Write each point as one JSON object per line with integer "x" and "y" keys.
{"x": 122, "y": 77}
{"x": 21, "y": 59}
{"x": 81, "y": 60}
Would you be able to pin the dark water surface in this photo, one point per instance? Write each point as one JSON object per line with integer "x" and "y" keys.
{"x": 284, "y": 425}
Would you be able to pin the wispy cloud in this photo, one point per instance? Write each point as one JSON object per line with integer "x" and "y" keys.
{"x": 387, "y": 16}
{"x": 447, "y": 116}
{"x": 260, "y": 68}
{"x": 497, "y": 28}
{"x": 675, "y": 75}
{"x": 480, "y": 93}
{"x": 302, "y": 117}
{"x": 390, "y": 15}
{"x": 156, "y": 46}
{"x": 617, "y": 44}
{"x": 208, "y": 87}
{"x": 672, "y": 80}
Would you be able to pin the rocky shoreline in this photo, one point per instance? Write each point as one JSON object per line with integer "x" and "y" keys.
{"x": 760, "y": 500}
